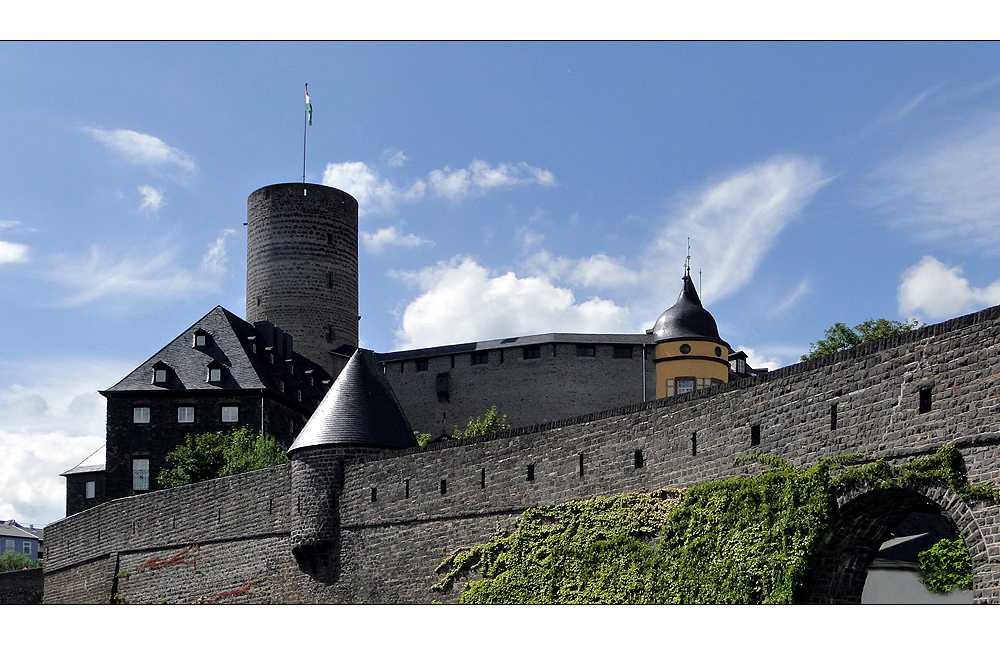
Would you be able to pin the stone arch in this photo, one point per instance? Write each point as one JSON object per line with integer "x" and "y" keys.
{"x": 863, "y": 519}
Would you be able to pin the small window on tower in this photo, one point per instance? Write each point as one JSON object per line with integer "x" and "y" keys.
{"x": 422, "y": 365}
{"x": 140, "y": 474}
{"x": 685, "y": 385}
{"x": 91, "y": 490}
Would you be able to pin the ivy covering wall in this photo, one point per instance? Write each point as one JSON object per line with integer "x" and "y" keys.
{"x": 744, "y": 540}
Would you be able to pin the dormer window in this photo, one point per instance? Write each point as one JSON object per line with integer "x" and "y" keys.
{"x": 161, "y": 373}
{"x": 201, "y": 338}
{"x": 216, "y": 372}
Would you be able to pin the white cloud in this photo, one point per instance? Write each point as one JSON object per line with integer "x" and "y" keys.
{"x": 146, "y": 150}
{"x": 940, "y": 291}
{"x": 756, "y": 360}
{"x": 377, "y": 241}
{"x": 7, "y": 223}
{"x": 456, "y": 185}
{"x": 733, "y": 224}
{"x": 597, "y": 271}
{"x": 377, "y": 195}
{"x": 152, "y": 199}
{"x": 949, "y": 190}
{"x": 51, "y": 418}
{"x": 394, "y": 158}
{"x": 214, "y": 261}
{"x": 462, "y": 301}
{"x": 362, "y": 182}
{"x": 529, "y": 238}
{"x": 148, "y": 281}
{"x": 11, "y": 252}
{"x": 800, "y": 290}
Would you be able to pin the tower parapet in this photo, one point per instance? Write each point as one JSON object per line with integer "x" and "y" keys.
{"x": 302, "y": 268}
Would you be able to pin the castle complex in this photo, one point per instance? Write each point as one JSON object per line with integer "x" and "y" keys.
{"x": 363, "y": 514}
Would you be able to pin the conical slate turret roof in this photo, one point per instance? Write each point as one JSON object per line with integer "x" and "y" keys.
{"x": 687, "y": 319}
{"x": 359, "y": 410}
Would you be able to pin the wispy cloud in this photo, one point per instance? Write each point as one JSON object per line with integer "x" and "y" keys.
{"x": 51, "y": 418}
{"x": 152, "y": 200}
{"x": 394, "y": 158}
{"x": 141, "y": 281}
{"x": 480, "y": 176}
{"x": 11, "y": 252}
{"x": 377, "y": 242}
{"x": 733, "y": 223}
{"x": 801, "y": 289}
{"x": 938, "y": 291}
{"x": 758, "y": 360}
{"x": 378, "y": 195}
{"x": 214, "y": 261}
{"x": 462, "y": 301}
{"x": 947, "y": 190}
{"x": 897, "y": 112}
{"x": 146, "y": 150}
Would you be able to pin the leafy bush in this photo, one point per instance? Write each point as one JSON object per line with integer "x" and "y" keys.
{"x": 945, "y": 565}
{"x": 13, "y": 561}
{"x": 217, "y": 454}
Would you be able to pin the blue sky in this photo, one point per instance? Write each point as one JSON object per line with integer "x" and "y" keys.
{"x": 505, "y": 188}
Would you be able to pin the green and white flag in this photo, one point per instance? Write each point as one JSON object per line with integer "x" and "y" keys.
{"x": 309, "y": 107}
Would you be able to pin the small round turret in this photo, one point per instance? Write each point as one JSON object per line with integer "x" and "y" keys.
{"x": 690, "y": 355}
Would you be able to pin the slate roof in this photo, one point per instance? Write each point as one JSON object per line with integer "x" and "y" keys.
{"x": 229, "y": 345}
{"x": 359, "y": 410}
{"x": 94, "y": 463}
{"x": 10, "y": 529}
{"x": 518, "y": 341}
{"x": 687, "y": 319}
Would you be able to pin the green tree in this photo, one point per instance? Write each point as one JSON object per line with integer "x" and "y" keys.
{"x": 945, "y": 565}
{"x": 13, "y": 561}
{"x": 217, "y": 454}
{"x": 840, "y": 336}
{"x": 490, "y": 423}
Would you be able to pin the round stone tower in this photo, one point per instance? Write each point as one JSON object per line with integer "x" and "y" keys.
{"x": 689, "y": 353}
{"x": 302, "y": 268}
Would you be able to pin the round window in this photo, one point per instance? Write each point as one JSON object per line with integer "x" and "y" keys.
{"x": 718, "y": 351}
{"x": 685, "y": 348}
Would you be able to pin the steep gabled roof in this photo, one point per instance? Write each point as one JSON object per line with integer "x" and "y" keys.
{"x": 94, "y": 463}
{"x": 359, "y": 410}
{"x": 228, "y": 346}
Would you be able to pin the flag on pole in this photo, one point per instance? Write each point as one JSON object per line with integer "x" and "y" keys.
{"x": 309, "y": 107}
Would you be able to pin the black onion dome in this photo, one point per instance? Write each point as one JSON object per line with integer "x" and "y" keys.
{"x": 359, "y": 410}
{"x": 687, "y": 319}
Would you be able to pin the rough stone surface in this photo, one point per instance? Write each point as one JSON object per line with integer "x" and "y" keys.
{"x": 21, "y": 587}
{"x": 398, "y": 515}
{"x": 302, "y": 266}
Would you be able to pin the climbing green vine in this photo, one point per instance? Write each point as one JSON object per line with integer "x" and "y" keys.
{"x": 945, "y": 565}
{"x": 742, "y": 540}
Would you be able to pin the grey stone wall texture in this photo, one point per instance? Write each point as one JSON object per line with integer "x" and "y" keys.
{"x": 399, "y": 515}
{"x": 21, "y": 587}
{"x": 556, "y": 385}
{"x": 302, "y": 266}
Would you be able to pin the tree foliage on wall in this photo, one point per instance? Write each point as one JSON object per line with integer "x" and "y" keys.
{"x": 742, "y": 540}
{"x": 490, "y": 423}
{"x": 13, "y": 561}
{"x": 218, "y": 454}
{"x": 840, "y": 336}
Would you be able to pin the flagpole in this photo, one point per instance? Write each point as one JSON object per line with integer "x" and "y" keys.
{"x": 305, "y": 123}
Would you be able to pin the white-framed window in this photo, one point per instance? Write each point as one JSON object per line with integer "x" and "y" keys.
{"x": 9, "y": 546}
{"x": 91, "y": 489}
{"x": 200, "y": 340}
{"x": 685, "y": 385}
{"x": 159, "y": 375}
{"x": 140, "y": 474}
{"x": 185, "y": 414}
{"x": 214, "y": 374}
{"x": 230, "y": 413}
{"x": 140, "y": 414}
{"x": 26, "y": 548}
